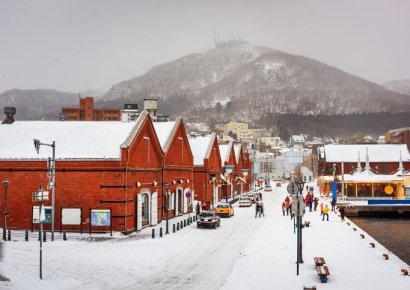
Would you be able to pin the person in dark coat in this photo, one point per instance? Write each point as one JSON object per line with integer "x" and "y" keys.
{"x": 315, "y": 202}
{"x": 198, "y": 208}
{"x": 258, "y": 209}
{"x": 333, "y": 203}
{"x": 342, "y": 211}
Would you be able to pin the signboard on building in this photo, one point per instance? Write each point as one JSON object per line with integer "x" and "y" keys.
{"x": 298, "y": 206}
{"x": 36, "y": 214}
{"x": 100, "y": 217}
{"x": 228, "y": 168}
{"x": 71, "y": 216}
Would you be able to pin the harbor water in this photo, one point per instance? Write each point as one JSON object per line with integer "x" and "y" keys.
{"x": 394, "y": 234}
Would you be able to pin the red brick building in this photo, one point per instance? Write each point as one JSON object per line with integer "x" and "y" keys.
{"x": 241, "y": 171}
{"x": 228, "y": 169}
{"x": 177, "y": 167}
{"x": 398, "y": 136}
{"x": 99, "y": 165}
{"x": 207, "y": 169}
{"x": 86, "y": 112}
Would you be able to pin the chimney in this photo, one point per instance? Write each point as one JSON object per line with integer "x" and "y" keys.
{"x": 9, "y": 112}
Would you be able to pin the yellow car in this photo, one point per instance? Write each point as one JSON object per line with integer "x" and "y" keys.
{"x": 224, "y": 209}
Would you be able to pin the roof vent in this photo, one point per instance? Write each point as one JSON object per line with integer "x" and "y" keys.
{"x": 9, "y": 112}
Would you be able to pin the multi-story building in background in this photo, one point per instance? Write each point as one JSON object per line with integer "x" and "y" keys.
{"x": 398, "y": 136}
{"x": 87, "y": 112}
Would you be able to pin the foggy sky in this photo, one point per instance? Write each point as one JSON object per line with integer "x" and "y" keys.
{"x": 76, "y": 45}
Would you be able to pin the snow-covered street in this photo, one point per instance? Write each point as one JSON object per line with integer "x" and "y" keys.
{"x": 244, "y": 253}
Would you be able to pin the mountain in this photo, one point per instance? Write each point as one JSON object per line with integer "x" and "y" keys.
{"x": 37, "y": 104}
{"x": 243, "y": 82}
{"x": 400, "y": 86}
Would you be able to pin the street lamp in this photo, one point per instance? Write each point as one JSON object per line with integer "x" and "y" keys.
{"x": 167, "y": 207}
{"x": 6, "y": 186}
{"x": 37, "y": 145}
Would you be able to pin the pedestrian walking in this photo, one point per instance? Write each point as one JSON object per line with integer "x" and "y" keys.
{"x": 261, "y": 208}
{"x": 325, "y": 213}
{"x": 258, "y": 210}
{"x": 311, "y": 202}
{"x": 321, "y": 208}
{"x": 284, "y": 208}
{"x": 342, "y": 211}
{"x": 288, "y": 206}
{"x": 333, "y": 203}
{"x": 198, "y": 208}
{"x": 315, "y": 202}
{"x": 260, "y": 195}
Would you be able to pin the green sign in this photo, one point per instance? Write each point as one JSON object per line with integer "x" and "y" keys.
{"x": 48, "y": 216}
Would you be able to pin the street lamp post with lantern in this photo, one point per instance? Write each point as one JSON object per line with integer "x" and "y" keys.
{"x": 37, "y": 145}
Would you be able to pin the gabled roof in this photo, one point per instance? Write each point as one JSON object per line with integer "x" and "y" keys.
{"x": 237, "y": 149}
{"x": 201, "y": 148}
{"x": 166, "y": 132}
{"x": 74, "y": 139}
{"x": 225, "y": 150}
{"x": 377, "y": 152}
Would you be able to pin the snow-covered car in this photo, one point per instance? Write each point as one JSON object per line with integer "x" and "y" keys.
{"x": 208, "y": 219}
{"x": 224, "y": 209}
{"x": 268, "y": 188}
{"x": 245, "y": 201}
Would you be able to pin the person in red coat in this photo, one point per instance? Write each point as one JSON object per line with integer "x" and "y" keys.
{"x": 287, "y": 203}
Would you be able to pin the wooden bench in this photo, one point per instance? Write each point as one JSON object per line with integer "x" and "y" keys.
{"x": 323, "y": 272}
{"x": 319, "y": 261}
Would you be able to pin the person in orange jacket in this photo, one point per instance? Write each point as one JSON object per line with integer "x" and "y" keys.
{"x": 325, "y": 213}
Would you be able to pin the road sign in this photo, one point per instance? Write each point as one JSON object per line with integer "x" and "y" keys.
{"x": 301, "y": 207}
{"x": 292, "y": 188}
{"x": 188, "y": 194}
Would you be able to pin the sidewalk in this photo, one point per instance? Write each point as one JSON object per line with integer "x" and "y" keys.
{"x": 269, "y": 261}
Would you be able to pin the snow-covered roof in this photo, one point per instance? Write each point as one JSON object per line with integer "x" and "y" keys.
{"x": 369, "y": 178}
{"x": 164, "y": 131}
{"x": 237, "y": 149}
{"x": 224, "y": 150}
{"x": 199, "y": 148}
{"x": 74, "y": 139}
{"x": 377, "y": 152}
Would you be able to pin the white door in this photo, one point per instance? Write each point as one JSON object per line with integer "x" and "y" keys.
{"x": 185, "y": 202}
{"x": 139, "y": 212}
{"x": 176, "y": 203}
{"x": 154, "y": 208}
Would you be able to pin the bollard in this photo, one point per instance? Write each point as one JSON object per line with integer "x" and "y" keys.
{"x": 44, "y": 237}
{"x": 385, "y": 256}
{"x": 9, "y": 235}
{"x": 404, "y": 272}
{"x": 26, "y": 236}
{"x": 177, "y": 226}
{"x": 184, "y": 223}
{"x": 354, "y": 229}
{"x": 160, "y": 232}
{"x": 187, "y": 221}
{"x": 64, "y": 236}
{"x": 372, "y": 245}
{"x": 362, "y": 236}
{"x": 39, "y": 236}
{"x": 190, "y": 220}
{"x": 153, "y": 233}
{"x": 173, "y": 228}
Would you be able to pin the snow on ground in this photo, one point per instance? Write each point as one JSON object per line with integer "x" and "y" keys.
{"x": 244, "y": 253}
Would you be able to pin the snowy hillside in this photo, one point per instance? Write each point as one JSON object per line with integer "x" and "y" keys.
{"x": 250, "y": 81}
{"x": 400, "y": 86}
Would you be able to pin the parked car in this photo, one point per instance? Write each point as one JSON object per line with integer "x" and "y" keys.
{"x": 252, "y": 196}
{"x": 245, "y": 201}
{"x": 278, "y": 184}
{"x": 224, "y": 209}
{"x": 268, "y": 188}
{"x": 208, "y": 219}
